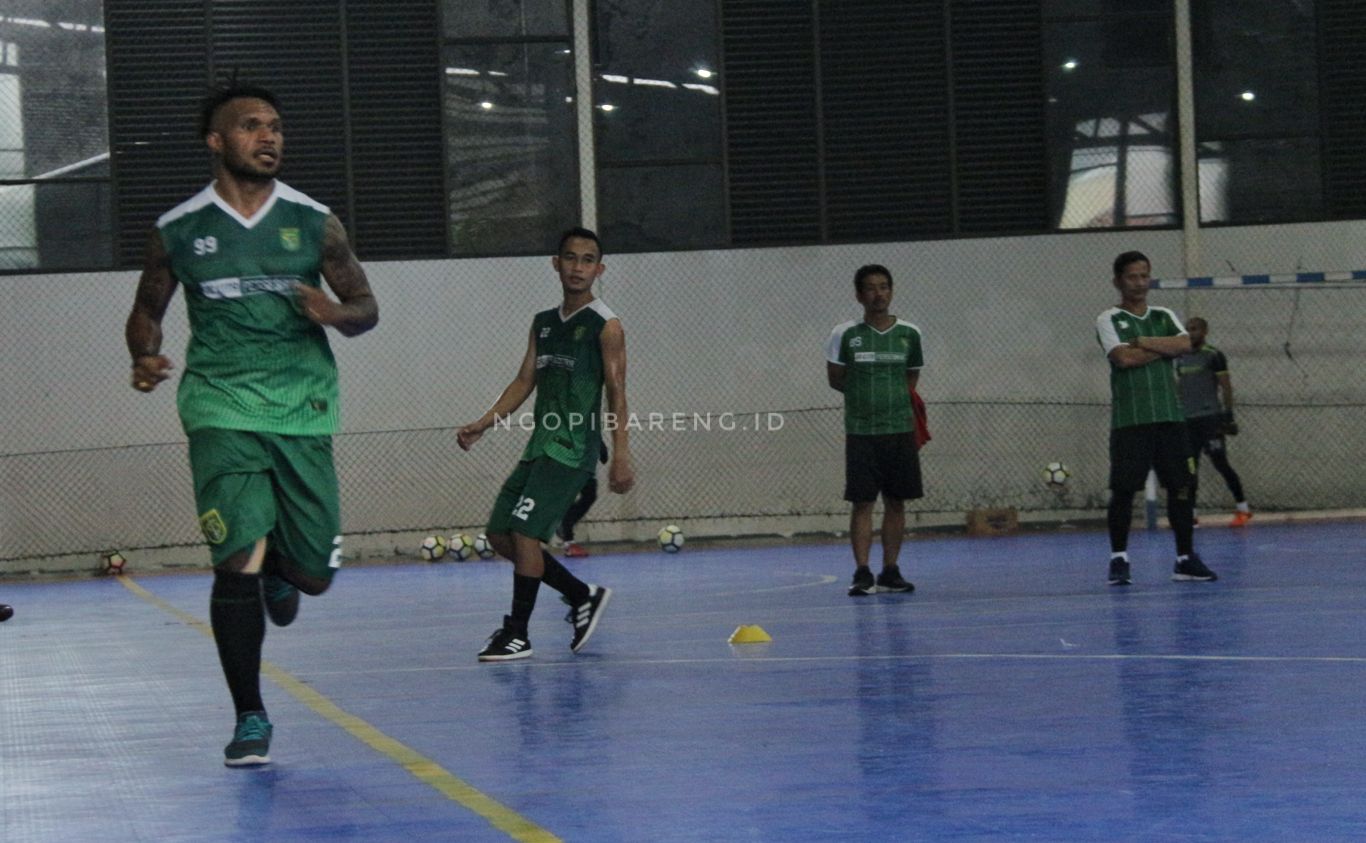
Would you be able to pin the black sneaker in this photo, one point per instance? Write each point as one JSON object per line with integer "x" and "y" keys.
{"x": 863, "y": 583}
{"x": 1119, "y": 571}
{"x": 1192, "y": 570}
{"x": 250, "y": 745}
{"x": 281, "y": 599}
{"x": 585, "y": 616}
{"x": 506, "y": 643}
{"x": 890, "y": 580}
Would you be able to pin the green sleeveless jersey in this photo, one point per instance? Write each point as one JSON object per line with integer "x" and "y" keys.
{"x": 1142, "y": 394}
{"x": 254, "y": 361}
{"x": 876, "y": 399}
{"x": 569, "y": 378}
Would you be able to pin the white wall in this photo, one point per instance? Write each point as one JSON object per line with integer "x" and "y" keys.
{"x": 1007, "y": 319}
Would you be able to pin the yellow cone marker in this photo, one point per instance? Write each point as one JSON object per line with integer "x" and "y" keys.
{"x": 748, "y": 634}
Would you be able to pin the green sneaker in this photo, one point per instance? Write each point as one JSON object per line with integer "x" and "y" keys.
{"x": 281, "y": 599}
{"x": 250, "y": 745}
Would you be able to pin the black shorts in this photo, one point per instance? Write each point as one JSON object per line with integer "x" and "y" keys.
{"x": 887, "y": 465}
{"x": 1205, "y": 433}
{"x": 1162, "y": 447}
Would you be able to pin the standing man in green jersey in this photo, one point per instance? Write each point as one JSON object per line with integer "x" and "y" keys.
{"x": 1147, "y": 428}
{"x": 1207, "y": 399}
{"x": 876, "y": 363}
{"x": 258, "y": 399}
{"x": 574, "y": 353}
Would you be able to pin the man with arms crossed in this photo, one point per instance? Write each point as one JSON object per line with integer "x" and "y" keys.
{"x": 1147, "y": 429}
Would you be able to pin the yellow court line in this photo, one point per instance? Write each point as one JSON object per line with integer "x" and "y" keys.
{"x": 422, "y": 768}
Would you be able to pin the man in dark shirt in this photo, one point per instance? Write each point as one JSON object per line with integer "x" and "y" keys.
{"x": 1207, "y": 398}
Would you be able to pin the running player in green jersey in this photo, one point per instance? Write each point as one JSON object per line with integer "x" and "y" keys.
{"x": 575, "y": 353}
{"x": 1207, "y": 398}
{"x": 258, "y": 399}
{"x": 876, "y": 363}
{"x": 1147, "y": 428}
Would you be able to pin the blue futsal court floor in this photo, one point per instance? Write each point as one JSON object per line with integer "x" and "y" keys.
{"x": 1014, "y": 695}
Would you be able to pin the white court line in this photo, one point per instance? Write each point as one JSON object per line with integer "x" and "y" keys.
{"x": 825, "y": 579}
{"x": 1108, "y": 657}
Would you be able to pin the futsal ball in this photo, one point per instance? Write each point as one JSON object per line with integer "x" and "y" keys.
{"x": 433, "y": 548}
{"x": 671, "y": 539}
{"x": 483, "y": 547}
{"x": 1055, "y": 474}
{"x": 462, "y": 547}
{"x": 112, "y": 563}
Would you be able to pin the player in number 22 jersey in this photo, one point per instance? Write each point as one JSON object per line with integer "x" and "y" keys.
{"x": 574, "y": 353}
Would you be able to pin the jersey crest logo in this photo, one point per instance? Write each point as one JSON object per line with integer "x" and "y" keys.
{"x": 545, "y": 332}
{"x": 289, "y": 239}
{"x": 1123, "y": 326}
{"x": 578, "y": 333}
{"x": 856, "y": 342}
{"x": 213, "y": 527}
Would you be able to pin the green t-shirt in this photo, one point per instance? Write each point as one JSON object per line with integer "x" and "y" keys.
{"x": 254, "y": 361}
{"x": 876, "y": 399}
{"x": 1141, "y": 394}
{"x": 569, "y": 378}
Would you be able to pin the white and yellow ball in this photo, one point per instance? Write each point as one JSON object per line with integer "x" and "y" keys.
{"x": 433, "y": 548}
{"x": 113, "y": 563}
{"x": 1055, "y": 474}
{"x": 671, "y": 539}
{"x": 462, "y": 547}
{"x": 484, "y": 547}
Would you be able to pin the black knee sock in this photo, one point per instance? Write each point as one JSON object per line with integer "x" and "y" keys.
{"x": 1119, "y": 515}
{"x": 1181, "y": 513}
{"x": 558, "y": 577}
{"x": 524, "y": 598}
{"x": 578, "y": 509}
{"x": 239, "y": 627}
{"x": 1235, "y": 483}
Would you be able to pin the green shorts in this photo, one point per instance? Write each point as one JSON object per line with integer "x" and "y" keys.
{"x": 535, "y": 498}
{"x": 248, "y": 485}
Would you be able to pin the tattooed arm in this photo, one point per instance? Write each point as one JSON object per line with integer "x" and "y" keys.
{"x": 357, "y": 311}
{"x": 156, "y": 287}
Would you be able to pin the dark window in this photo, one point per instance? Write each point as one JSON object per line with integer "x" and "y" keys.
{"x": 511, "y": 129}
{"x": 884, "y": 95}
{"x": 55, "y": 208}
{"x": 1111, "y": 94}
{"x": 1342, "y": 80}
{"x": 511, "y": 147}
{"x": 398, "y": 195}
{"x": 999, "y": 140}
{"x": 355, "y": 82}
{"x": 505, "y": 18}
{"x": 772, "y": 122}
{"x": 658, "y": 125}
{"x": 660, "y": 207}
{"x": 1257, "y": 110}
{"x": 881, "y": 120}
